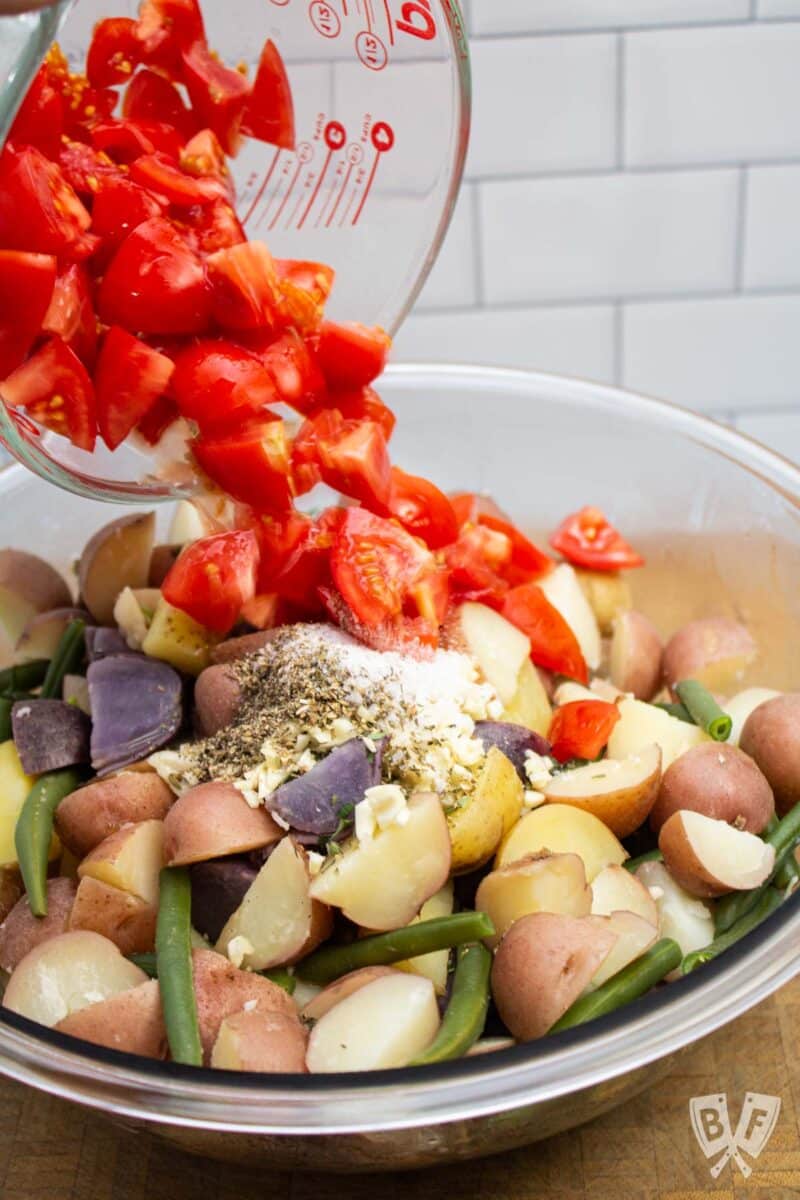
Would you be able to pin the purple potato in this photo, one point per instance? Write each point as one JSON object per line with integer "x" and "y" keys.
{"x": 313, "y": 802}
{"x": 513, "y": 740}
{"x": 49, "y": 735}
{"x": 137, "y": 707}
{"x": 218, "y": 888}
{"x": 102, "y": 642}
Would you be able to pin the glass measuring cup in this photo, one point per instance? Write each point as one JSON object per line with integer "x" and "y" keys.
{"x": 381, "y": 91}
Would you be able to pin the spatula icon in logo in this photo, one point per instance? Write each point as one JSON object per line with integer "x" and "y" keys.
{"x": 712, "y": 1128}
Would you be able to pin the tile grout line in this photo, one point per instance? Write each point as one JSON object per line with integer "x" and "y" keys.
{"x": 659, "y": 27}
{"x": 608, "y": 172}
{"x": 741, "y": 229}
{"x": 619, "y": 116}
{"x": 618, "y": 334}
{"x": 477, "y": 256}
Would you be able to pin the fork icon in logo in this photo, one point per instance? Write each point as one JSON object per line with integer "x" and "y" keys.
{"x": 712, "y": 1128}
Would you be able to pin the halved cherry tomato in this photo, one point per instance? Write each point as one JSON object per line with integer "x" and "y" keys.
{"x": 86, "y": 169}
{"x": 553, "y": 644}
{"x": 251, "y": 464}
{"x": 155, "y": 283}
{"x": 477, "y": 560}
{"x": 269, "y": 113}
{"x": 294, "y": 371}
{"x": 363, "y": 404}
{"x": 39, "y": 211}
{"x": 304, "y": 288}
{"x": 351, "y": 355}
{"x": 113, "y": 52}
{"x": 528, "y": 561}
{"x": 129, "y": 378}
{"x": 54, "y": 388}
{"x": 119, "y": 206}
{"x": 157, "y": 420}
{"x": 151, "y": 97}
{"x": 218, "y": 384}
{"x": 160, "y": 174}
{"x": 26, "y": 287}
{"x": 214, "y": 578}
{"x": 217, "y": 93}
{"x": 350, "y": 456}
{"x": 70, "y": 314}
{"x": 422, "y": 509}
{"x": 244, "y": 286}
{"x": 213, "y": 227}
{"x": 581, "y": 729}
{"x": 40, "y": 119}
{"x": 377, "y": 566}
{"x": 588, "y": 540}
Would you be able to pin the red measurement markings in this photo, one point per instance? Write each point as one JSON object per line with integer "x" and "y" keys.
{"x": 304, "y": 153}
{"x": 389, "y": 22}
{"x": 355, "y": 155}
{"x": 346, "y": 212}
{"x": 371, "y": 50}
{"x": 325, "y": 19}
{"x": 382, "y": 138}
{"x": 368, "y": 14}
{"x": 344, "y": 7}
{"x": 262, "y": 189}
{"x": 335, "y": 137}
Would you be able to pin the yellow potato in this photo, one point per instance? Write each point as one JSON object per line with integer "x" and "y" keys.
{"x": 562, "y": 589}
{"x": 640, "y": 725}
{"x": 477, "y": 829}
{"x": 498, "y": 647}
{"x": 608, "y": 593}
{"x": 554, "y": 883}
{"x": 433, "y": 966}
{"x": 14, "y": 788}
{"x": 21, "y": 930}
{"x": 384, "y": 1024}
{"x": 620, "y": 793}
{"x": 562, "y": 829}
{"x": 617, "y": 890}
{"x": 130, "y": 859}
{"x": 634, "y": 934}
{"x": 178, "y": 640}
{"x": 529, "y": 705}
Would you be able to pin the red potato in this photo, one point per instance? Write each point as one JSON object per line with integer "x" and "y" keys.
{"x": 261, "y": 1041}
{"x": 771, "y": 736}
{"x": 28, "y": 585}
{"x": 130, "y": 859}
{"x": 87, "y": 817}
{"x": 116, "y": 557}
{"x": 542, "y": 965}
{"x": 213, "y": 820}
{"x": 636, "y": 654}
{"x": 131, "y": 1021}
{"x": 162, "y": 560}
{"x": 709, "y": 858}
{"x": 340, "y": 989}
{"x": 126, "y": 920}
{"x": 217, "y": 699}
{"x": 715, "y": 651}
{"x": 10, "y": 889}
{"x": 40, "y": 637}
{"x": 718, "y": 781}
{"x": 21, "y": 931}
{"x": 554, "y": 883}
{"x": 222, "y": 990}
{"x": 239, "y": 647}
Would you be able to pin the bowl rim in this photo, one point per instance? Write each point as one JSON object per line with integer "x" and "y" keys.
{"x": 653, "y": 1027}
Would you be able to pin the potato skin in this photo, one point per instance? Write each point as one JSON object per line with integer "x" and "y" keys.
{"x": 213, "y": 820}
{"x": 131, "y": 1021}
{"x": 34, "y": 579}
{"x": 126, "y": 920}
{"x": 718, "y": 781}
{"x": 541, "y": 967}
{"x": 162, "y": 560}
{"x": 222, "y": 990}
{"x": 261, "y": 1041}
{"x": 771, "y": 736}
{"x": 217, "y": 698}
{"x": 87, "y": 817}
{"x": 116, "y": 556}
{"x": 21, "y": 930}
{"x": 636, "y": 655}
{"x": 239, "y": 647}
{"x": 714, "y": 650}
{"x": 340, "y": 989}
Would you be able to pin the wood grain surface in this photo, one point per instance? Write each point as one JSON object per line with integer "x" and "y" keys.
{"x": 50, "y": 1150}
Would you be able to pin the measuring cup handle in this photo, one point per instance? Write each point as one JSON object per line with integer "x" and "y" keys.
{"x": 27, "y": 27}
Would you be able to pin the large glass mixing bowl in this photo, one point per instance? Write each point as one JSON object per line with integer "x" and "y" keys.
{"x": 381, "y": 90}
{"x": 718, "y": 518}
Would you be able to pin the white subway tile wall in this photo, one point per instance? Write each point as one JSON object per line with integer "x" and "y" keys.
{"x": 631, "y": 207}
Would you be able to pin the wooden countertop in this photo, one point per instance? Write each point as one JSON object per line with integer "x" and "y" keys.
{"x": 50, "y": 1150}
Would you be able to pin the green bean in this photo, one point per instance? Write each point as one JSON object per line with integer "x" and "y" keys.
{"x": 23, "y": 676}
{"x": 465, "y": 1016}
{"x": 783, "y": 836}
{"x": 283, "y": 978}
{"x": 68, "y": 656}
{"x": 766, "y": 904}
{"x": 787, "y": 876}
{"x": 380, "y": 949}
{"x": 627, "y": 985}
{"x": 6, "y": 731}
{"x": 174, "y": 965}
{"x": 677, "y": 710}
{"x": 786, "y": 833}
{"x": 632, "y": 864}
{"x": 704, "y": 710}
{"x": 34, "y": 833}
{"x": 146, "y": 963}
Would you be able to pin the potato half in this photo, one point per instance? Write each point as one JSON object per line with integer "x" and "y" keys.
{"x": 554, "y": 883}
{"x": 709, "y": 857}
{"x": 477, "y": 829}
{"x": 116, "y": 557}
{"x": 715, "y": 651}
{"x": 640, "y": 725}
{"x": 718, "y": 781}
{"x": 563, "y": 829}
{"x": 617, "y": 890}
{"x": 619, "y": 792}
{"x": 386, "y": 1023}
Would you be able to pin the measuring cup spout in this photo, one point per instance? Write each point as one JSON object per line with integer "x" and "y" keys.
{"x": 27, "y": 28}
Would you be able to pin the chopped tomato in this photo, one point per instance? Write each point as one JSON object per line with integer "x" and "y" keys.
{"x": 214, "y": 578}
{"x": 217, "y": 93}
{"x": 528, "y": 561}
{"x": 377, "y": 566}
{"x": 203, "y": 157}
{"x": 279, "y": 535}
{"x": 218, "y": 384}
{"x": 120, "y": 205}
{"x": 70, "y": 314}
{"x": 113, "y": 53}
{"x": 151, "y": 97}
{"x": 269, "y": 112}
{"x": 26, "y": 286}
{"x": 350, "y": 456}
{"x": 304, "y": 288}
{"x": 39, "y": 211}
{"x": 212, "y": 227}
{"x": 54, "y": 388}
{"x": 476, "y": 560}
{"x": 178, "y": 21}
{"x": 294, "y": 371}
{"x": 157, "y": 420}
{"x": 244, "y": 286}
{"x": 581, "y": 729}
{"x": 588, "y": 540}
{"x": 123, "y": 141}
{"x": 40, "y": 119}
{"x": 422, "y": 509}
{"x": 251, "y": 464}
{"x": 129, "y": 378}
{"x": 83, "y": 104}
{"x": 262, "y": 612}
{"x": 155, "y": 283}
{"x": 351, "y": 355}
{"x": 413, "y": 636}
{"x": 364, "y": 403}
{"x": 160, "y": 174}
{"x": 87, "y": 169}
{"x": 307, "y": 567}
{"x": 553, "y": 644}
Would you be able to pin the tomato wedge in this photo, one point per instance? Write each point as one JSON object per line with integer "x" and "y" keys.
{"x": 129, "y": 378}
{"x": 54, "y": 388}
{"x": 304, "y": 288}
{"x": 477, "y": 560}
{"x": 218, "y": 384}
{"x": 40, "y": 119}
{"x": 294, "y": 371}
{"x": 26, "y": 286}
{"x": 363, "y": 404}
{"x": 203, "y": 157}
{"x": 39, "y": 211}
{"x": 155, "y": 283}
{"x": 151, "y": 97}
{"x": 377, "y": 566}
{"x": 581, "y": 729}
{"x": 279, "y": 536}
{"x": 553, "y": 644}
{"x": 119, "y": 206}
{"x": 214, "y": 578}
{"x": 166, "y": 27}
{"x": 528, "y": 561}
{"x": 212, "y": 227}
{"x": 250, "y": 464}
{"x": 587, "y": 539}
{"x": 422, "y": 509}
{"x": 157, "y": 420}
{"x": 159, "y": 173}
{"x": 412, "y": 636}
{"x": 307, "y": 567}
{"x": 217, "y": 93}
{"x": 351, "y": 355}
{"x": 114, "y": 51}
{"x": 70, "y": 314}
{"x": 86, "y": 169}
{"x": 244, "y": 286}
{"x": 269, "y": 112}
{"x": 350, "y": 456}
